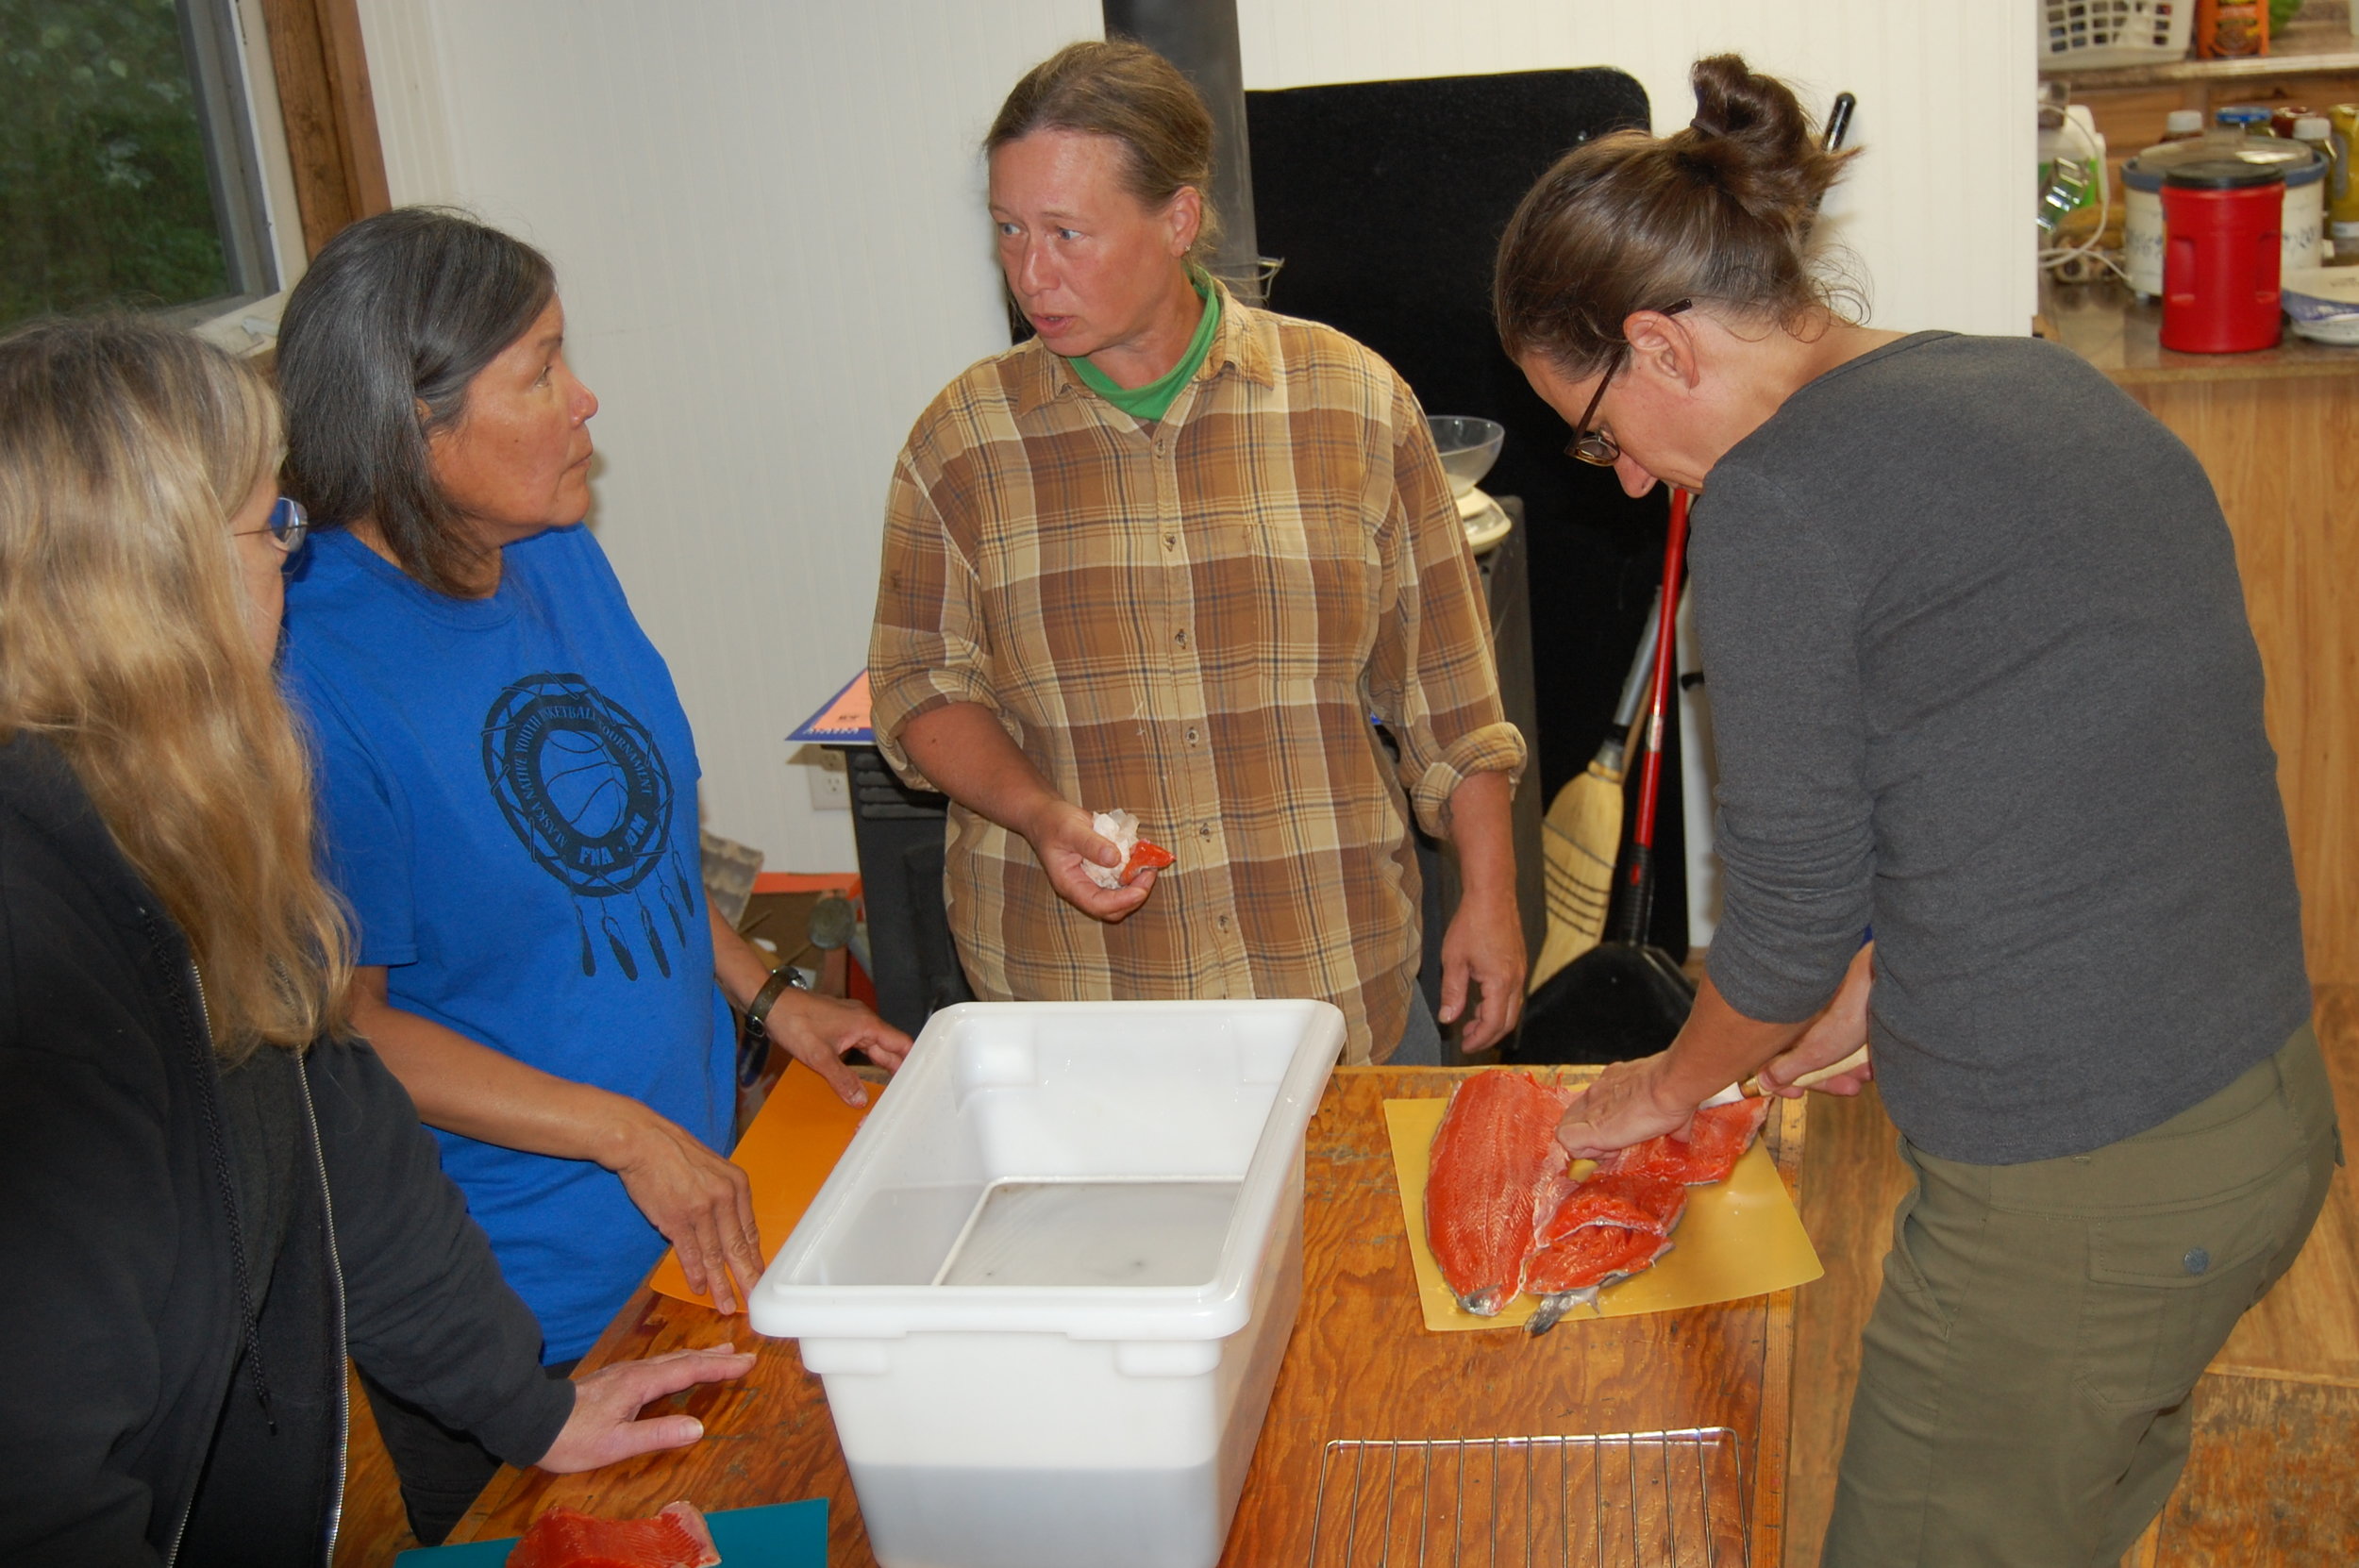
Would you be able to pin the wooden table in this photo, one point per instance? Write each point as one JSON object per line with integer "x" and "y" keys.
{"x": 1360, "y": 1365}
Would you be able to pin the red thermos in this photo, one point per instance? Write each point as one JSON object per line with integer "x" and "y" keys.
{"x": 2221, "y": 218}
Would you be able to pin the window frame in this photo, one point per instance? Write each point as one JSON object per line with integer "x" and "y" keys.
{"x": 316, "y": 164}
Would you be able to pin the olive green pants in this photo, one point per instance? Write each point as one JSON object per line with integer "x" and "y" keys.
{"x": 2024, "y": 1380}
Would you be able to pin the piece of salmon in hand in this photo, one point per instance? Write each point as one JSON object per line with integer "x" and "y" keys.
{"x": 1495, "y": 1165}
{"x": 1719, "y": 1137}
{"x": 1121, "y": 829}
{"x": 675, "y": 1536}
{"x": 1144, "y": 857}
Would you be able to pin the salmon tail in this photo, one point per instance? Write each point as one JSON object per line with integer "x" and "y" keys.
{"x": 1552, "y": 1309}
{"x": 696, "y": 1536}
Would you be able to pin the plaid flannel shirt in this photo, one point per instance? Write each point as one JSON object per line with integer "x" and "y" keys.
{"x": 1196, "y": 619}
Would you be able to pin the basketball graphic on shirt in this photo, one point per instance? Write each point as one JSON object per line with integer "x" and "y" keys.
{"x": 582, "y": 783}
{"x": 587, "y": 783}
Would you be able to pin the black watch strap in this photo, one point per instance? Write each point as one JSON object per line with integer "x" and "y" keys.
{"x": 757, "y": 1010}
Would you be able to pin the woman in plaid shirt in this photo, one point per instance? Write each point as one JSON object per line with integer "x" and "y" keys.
{"x": 1170, "y": 555}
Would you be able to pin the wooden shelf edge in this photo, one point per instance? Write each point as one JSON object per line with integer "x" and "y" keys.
{"x": 2258, "y": 67}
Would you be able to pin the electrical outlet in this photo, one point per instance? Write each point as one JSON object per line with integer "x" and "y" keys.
{"x": 828, "y": 776}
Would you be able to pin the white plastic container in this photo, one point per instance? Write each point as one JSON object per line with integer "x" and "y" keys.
{"x": 1127, "y": 1178}
{"x": 2094, "y": 35}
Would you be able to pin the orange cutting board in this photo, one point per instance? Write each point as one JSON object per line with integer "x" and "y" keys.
{"x": 793, "y": 1141}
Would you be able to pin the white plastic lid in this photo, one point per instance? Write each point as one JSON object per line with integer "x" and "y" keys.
{"x": 2313, "y": 127}
{"x": 2181, "y": 122}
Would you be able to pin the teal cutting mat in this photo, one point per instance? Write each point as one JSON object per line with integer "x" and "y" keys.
{"x": 784, "y": 1535}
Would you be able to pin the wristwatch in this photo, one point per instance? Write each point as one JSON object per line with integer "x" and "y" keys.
{"x": 753, "y": 1039}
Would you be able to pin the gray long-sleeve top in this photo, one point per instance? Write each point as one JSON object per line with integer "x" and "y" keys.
{"x": 1981, "y": 677}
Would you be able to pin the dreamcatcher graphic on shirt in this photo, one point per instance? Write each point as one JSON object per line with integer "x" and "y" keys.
{"x": 582, "y": 783}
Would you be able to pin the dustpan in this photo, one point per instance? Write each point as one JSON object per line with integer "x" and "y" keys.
{"x": 1625, "y": 997}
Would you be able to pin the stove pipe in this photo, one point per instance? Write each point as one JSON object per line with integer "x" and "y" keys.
{"x": 1200, "y": 38}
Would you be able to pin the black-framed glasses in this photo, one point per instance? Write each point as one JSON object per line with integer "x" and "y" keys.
{"x": 290, "y": 525}
{"x": 1596, "y": 446}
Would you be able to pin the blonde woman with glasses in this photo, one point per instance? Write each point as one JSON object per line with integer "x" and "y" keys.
{"x": 211, "y": 1193}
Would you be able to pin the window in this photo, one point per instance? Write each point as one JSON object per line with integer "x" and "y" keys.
{"x": 129, "y": 168}
{"x": 188, "y": 156}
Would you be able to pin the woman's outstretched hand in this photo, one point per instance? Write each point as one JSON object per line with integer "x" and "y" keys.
{"x": 605, "y": 1427}
{"x": 818, "y": 1030}
{"x": 702, "y": 1204}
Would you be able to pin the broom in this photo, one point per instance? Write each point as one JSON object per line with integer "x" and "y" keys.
{"x": 1583, "y": 829}
{"x": 1624, "y": 997}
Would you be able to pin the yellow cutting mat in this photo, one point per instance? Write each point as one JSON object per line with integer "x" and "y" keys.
{"x": 1738, "y": 1237}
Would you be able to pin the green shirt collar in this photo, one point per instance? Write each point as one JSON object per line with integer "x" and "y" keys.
{"x": 1154, "y": 400}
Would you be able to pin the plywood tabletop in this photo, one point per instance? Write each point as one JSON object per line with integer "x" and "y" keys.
{"x": 1360, "y": 1365}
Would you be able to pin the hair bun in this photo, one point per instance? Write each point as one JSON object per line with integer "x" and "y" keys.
{"x": 1721, "y": 211}
{"x": 1751, "y": 139}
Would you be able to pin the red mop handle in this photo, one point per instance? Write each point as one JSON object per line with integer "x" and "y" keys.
{"x": 1658, "y": 693}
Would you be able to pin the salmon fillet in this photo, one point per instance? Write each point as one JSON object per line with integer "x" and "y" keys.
{"x": 1618, "y": 1223}
{"x": 566, "y": 1538}
{"x": 1573, "y": 1270}
{"x": 1495, "y": 1163}
{"x": 1589, "y": 1256}
{"x": 1709, "y": 1152}
{"x": 1632, "y": 1200}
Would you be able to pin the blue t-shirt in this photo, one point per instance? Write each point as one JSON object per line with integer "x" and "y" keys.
{"x": 508, "y": 796}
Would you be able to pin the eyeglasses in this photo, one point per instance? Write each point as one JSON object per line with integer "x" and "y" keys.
{"x": 1596, "y": 446}
{"x": 290, "y": 525}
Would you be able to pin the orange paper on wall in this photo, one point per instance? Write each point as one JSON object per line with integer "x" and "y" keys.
{"x": 795, "y": 1140}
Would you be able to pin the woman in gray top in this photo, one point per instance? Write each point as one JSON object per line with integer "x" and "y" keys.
{"x": 1981, "y": 681}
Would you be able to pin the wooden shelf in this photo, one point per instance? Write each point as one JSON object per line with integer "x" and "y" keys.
{"x": 2259, "y": 68}
{"x": 2321, "y": 45}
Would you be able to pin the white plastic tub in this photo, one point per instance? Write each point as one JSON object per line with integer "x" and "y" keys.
{"x": 1049, "y": 1285}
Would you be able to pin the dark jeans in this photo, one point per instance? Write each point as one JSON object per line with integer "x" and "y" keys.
{"x": 442, "y": 1471}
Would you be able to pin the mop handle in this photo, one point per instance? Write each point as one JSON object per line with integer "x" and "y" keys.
{"x": 1633, "y": 911}
{"x": 1659, "y": 694}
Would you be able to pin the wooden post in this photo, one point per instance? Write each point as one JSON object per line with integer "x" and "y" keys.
{"x": 330, "y": 118}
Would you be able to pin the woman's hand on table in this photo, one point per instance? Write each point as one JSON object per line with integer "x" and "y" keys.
{"x": 1839, "y": 1032}
{"x": 702, "y": 1204}
{"x": 1061, "y": 835}
{"x": 1628, "y": 1103}
{"x": 605, "y": 1428}
{"x": 817, "y": 1032}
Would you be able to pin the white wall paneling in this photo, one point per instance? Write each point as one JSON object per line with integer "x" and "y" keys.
{"x": 768, "y": 230}
{"x": 1935, "y": 211}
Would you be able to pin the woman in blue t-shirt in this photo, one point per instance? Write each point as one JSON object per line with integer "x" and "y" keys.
{"x": 509, "y": 798}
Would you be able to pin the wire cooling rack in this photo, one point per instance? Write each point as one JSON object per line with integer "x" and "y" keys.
{"x": 1672, "y": 1499}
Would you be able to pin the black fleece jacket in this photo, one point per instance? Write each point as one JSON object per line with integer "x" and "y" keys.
{"x": 173, "y": 1386}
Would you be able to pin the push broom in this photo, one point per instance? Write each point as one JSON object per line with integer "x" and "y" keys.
{"x": 1624, "y": 997}
{"x": 1582, "y": 831}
